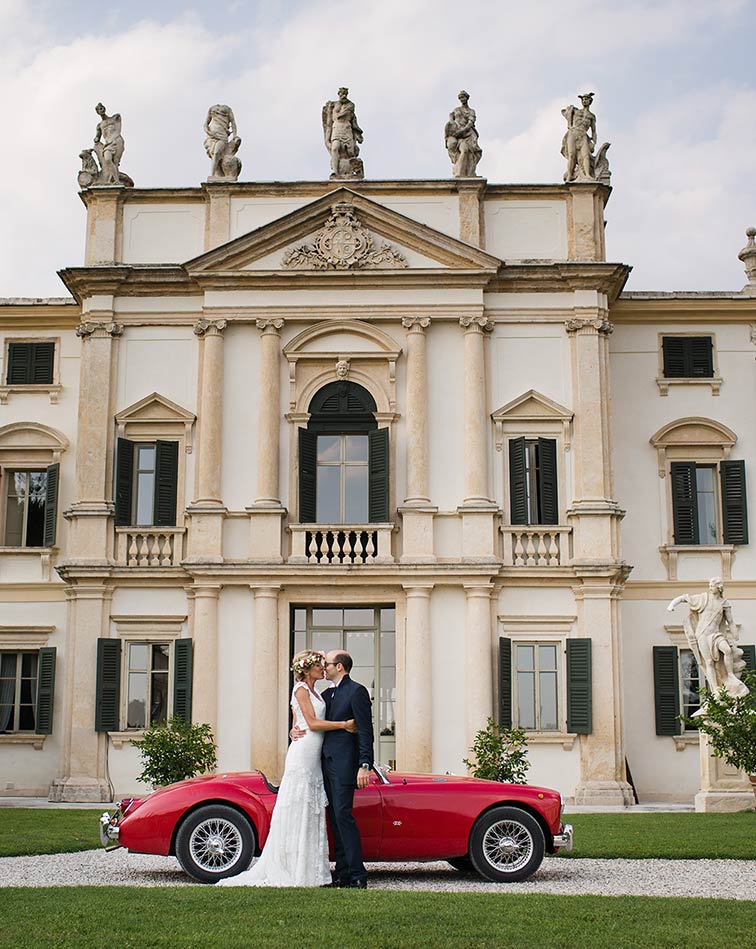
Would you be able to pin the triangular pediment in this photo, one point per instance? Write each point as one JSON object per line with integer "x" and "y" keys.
{"x": 532, "y": 405}
{"x": 370, "y": 236}
{"x": 155, "y": 408}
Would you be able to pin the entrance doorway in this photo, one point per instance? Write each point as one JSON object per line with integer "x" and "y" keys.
{"x": 368, "y": 634}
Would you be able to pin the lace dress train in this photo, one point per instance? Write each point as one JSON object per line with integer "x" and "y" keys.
{"x": 296, "y": 851}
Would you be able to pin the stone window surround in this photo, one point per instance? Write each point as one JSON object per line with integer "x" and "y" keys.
{"x": 704, "y": 441}
{"x": 143, "y": 629}
{"x": 53, "y": 389}
{"x": 18, "y": 638}
{"x": 714, "y": 382}
{"x": 547, "y": 629}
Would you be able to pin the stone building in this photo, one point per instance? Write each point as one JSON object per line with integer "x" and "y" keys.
{"x": 390, "y": 416}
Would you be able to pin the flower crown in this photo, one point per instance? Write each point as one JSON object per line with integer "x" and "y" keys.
{"x": 306, "y": 661}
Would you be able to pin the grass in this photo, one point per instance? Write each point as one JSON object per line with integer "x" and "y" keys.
{"x": 205, "y": 917}
{"x": 27, "y": 831}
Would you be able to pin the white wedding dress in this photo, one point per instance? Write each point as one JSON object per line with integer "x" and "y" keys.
{"x": 296, "y": 851}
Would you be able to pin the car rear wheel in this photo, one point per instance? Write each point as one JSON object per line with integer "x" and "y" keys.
{"x": 214, "y": 842}
{"x": 506, "y": 845}
{"x": 463, "y": 864}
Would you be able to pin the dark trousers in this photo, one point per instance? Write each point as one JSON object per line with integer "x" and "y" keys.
{"x": 346, "y": 836}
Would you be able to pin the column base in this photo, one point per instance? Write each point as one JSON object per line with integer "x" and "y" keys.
{"x": 479, "y": 540}
{"x": 265, "y": 537}
{"x": 205, "y": 535}
{"x": 78, "y": 789}
{"x": 604, "y": 793}
{"x": 724, "y": 802}
{"x": 417, "y": 533}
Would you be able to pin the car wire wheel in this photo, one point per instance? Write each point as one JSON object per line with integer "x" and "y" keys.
{"x": 507, "y": 844}
{"x": 215, "y": 844}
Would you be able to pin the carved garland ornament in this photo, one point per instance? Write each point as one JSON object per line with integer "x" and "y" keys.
{"x": 342, "y": 244}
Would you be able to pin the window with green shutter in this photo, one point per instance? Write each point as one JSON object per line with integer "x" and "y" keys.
{"x": 579, "y": 686}
{"x": 666, "y": 690}
{"x": 182, "y": 679}
{"x": 30, "y": 363}
{"x": 108, "y": 688}
{"x": 146, "y": 483}
{"x": 505, "y": 682}
{"x": 533, "y": 491}
{"x": 704, "y": 512}
{"x": 687, "y": 357}
{"x": 45, "y": 690}
{"x": 30, "y": 500}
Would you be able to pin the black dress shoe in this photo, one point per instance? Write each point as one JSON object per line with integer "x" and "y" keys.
{"x": 355, "y": 885}
{"x": 338, "y": 883}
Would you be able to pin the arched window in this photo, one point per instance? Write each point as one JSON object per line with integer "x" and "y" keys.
{"x": 343, "y": 459}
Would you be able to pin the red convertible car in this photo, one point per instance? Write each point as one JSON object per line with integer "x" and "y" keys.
{"x": 215, "y": 825}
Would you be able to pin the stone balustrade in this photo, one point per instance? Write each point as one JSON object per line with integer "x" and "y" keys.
{"x": 149, "y": 546}
{"x": 341, "y": 543}
{"x": 538, "y": 545}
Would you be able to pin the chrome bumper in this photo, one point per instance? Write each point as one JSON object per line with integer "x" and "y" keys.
{"x": 563, "y": 841}
{"x": 109, "y": 830}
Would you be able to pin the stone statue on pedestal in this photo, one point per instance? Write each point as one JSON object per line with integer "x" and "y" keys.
{"x": 222, "y": 143}
{"x": 579, "y": 143}
{"x": 748, "y": 256}
{"x": 461, "y": 139}
{"x": 342, "y": 137}
{"x": 712, "y": 635}
{"x": 101, "y": 165}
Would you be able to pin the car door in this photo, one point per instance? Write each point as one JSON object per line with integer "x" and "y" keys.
{"x": 420, "y": 820}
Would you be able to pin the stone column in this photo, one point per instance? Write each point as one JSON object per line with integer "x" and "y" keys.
{"x": 478, "y": 541}
{"x": 218, "y": 215}
{"x": 207, "y": 510}
{"x": 478, "y": 658}
{"x": 82, "y": 770}
{"x": 471, "y": 194}
{"x": 104, "y": 206}
{"x": 267, "y": 700}
{"x": 267, "y": 511}
{"x": 417, "y": 741}
{"x": 90, "y": 538}
{"x": 417, "y": 511}
{"x": 205, "y": 658}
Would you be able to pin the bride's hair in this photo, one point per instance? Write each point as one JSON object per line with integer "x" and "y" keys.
{"x": 305, "y": 660}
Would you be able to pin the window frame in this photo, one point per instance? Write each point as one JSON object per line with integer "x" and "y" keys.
{"x": 342, "y": 465}
{"x": 561, "y": 683}
{"x": 126, "y": 669}
{"x": 18, "y": 639}
{"x": 53, "y": 388}
{"x": 714, "y": 382}
{"x": 716, "y": 466}
{"x": 16, "y": 713}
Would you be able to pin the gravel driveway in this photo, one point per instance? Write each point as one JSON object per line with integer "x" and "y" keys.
{"x": 724, "y": 879}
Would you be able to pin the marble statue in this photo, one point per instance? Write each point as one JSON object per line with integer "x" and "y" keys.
{"x": 101, "y": 165}
{"x": 342, "y": 137}
{"x": 579, "y": 143}
{"x": 748, "y": 256}
{"x": 222, "y": 143}
{"x": 712, "y": 636}
{"x": 461, "y": 139}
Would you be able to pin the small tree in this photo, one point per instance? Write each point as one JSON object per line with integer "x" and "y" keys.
{"x": 175, "y": 752}
{"x": 730, "y": 725}
{"x": 501, "y": 754}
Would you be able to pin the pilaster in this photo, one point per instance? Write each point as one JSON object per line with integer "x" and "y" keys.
{"x": 417, "y": 752}
{"x": 264, "y": 680}
{"x": 218, "y": 215}
{"x": 471, "y": 193}
{"x": 103, "y": 223}
{"x": 205, "y": 659}
{"x": 478, "y": 658}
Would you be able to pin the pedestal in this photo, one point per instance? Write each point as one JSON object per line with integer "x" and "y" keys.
{"x": 723, "y": 788}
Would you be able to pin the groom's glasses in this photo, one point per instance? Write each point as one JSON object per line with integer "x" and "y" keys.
{"x": 331, "y": 663}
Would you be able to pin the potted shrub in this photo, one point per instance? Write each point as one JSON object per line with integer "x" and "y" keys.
{"x": 501, "y": 754}
{"x": 730, "y": 725}
{"x": 175, "y": 751}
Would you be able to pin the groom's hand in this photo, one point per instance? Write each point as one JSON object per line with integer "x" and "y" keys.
{"x": 296, "y": 733}
{"x": 363, "y": 777}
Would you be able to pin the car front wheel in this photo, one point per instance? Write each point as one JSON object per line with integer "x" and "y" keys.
{"x": 506, "y": 845}
{"x": 214, "y": 842}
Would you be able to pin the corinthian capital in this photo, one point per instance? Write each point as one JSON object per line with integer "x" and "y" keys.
{"x": 476, "y": 323}
{"x": 88, "y": 328}
{"x": 269, "y": 326}
{"x": 205, "y": 327}
{"x": 416, "y": 322}
{"x": 598, "y": 324}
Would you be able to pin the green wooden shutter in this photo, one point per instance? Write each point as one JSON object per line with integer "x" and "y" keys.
{"x": 505, "y": 682}
{"x": 579, "y": 687}
{"x": 19, "y": 364}
{"x": 684, "y": 507}
{"x": 518, "y": 489}
{"x": 378, "y": 477}
{"x": 108, "y": 695}
{"x": 166, "y": 484}
{"x": 124, "y": 476}
{"x": 42, "y": 359}
{"x": 547, "y": 481}
{"x": 734, "y": 509}
{"x": 673, "y": 354}
{"x": 667, "y": 690}
{"x": 749, "y": 655}
{"x": 182, "y": 679}
{"x": 308, "y": 455}
{"x": 45, "y": 690}
{"x": 51, "y": 505}
{"x": 701, "y": 357}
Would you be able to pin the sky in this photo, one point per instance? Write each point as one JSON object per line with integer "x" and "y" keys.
{"x": 673, "y": 79}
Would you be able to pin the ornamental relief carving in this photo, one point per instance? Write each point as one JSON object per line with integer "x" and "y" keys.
{"x": 88, "y": 328}
{"x": 603, "y": 326}
{"x": 342, "y": 244}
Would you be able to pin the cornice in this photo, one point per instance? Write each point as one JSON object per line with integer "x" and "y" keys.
{"x": 544, "y": 277}
{"x": 31, "y": 314}
{"x": 683, "y": 308}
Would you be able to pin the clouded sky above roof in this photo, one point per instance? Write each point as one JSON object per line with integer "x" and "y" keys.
{"x": 674, "y": 84}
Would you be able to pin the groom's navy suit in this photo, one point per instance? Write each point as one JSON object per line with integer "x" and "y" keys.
{"x": 343, "y": 753}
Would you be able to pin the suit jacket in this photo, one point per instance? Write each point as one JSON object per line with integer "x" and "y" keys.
{"x": 349, "y": 700}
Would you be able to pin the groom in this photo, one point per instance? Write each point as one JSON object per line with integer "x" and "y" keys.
{"x": 347, "y": 761}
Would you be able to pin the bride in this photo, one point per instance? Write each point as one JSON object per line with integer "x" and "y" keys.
{"x": 296, "y": 851}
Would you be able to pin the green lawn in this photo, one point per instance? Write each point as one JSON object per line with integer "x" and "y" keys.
{"x": 206, "y": 917}
{"x": 673, "y": 836}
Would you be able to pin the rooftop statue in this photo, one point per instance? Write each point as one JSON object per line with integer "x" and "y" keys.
{"x": 342, "y": 137}
{"x": 222, "y": 143}
{"x": 101, "y": 165}
{"x": 579, "y": 143}
{"x": 461, "y": 139}
{"x": 712, "y": 635}
{"x": 748, "y": 256}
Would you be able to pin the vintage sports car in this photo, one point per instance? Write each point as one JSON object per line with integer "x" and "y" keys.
{"x": 215, "y": 825}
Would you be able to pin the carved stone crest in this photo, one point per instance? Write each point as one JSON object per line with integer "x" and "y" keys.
{"x": 341, "y": 244}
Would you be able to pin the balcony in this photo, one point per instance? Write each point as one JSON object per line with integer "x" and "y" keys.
{"x": 149, "y": 546}
{"x": 538, "y": 545}
{"x": 341, "y": 544}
